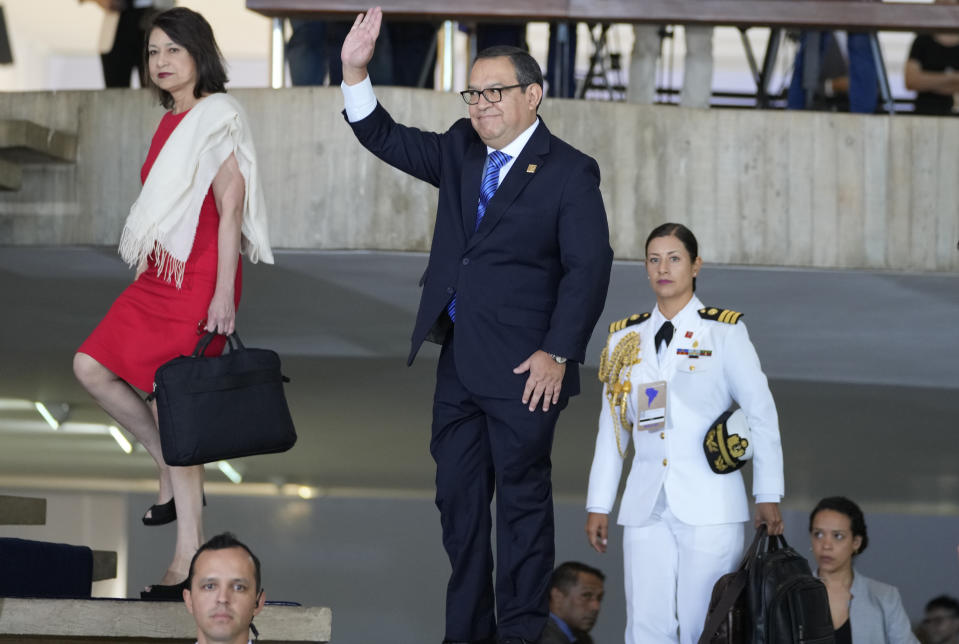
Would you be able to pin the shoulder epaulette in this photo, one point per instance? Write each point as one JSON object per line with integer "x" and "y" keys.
{"x": 635, "y": 318}
{"x": 720, "y": 315}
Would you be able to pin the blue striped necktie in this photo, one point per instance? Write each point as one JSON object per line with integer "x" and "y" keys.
{"x": 494, "y": 162}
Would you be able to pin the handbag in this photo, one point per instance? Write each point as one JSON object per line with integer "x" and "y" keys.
{"x": 213, "y": 408}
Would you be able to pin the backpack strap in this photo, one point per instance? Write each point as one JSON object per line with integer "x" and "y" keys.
{"x": 718, "y": 614}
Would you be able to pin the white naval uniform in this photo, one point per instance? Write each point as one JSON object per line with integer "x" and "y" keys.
{"x": 684, "y": 522}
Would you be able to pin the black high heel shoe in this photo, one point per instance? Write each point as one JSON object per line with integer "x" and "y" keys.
{"x": 161, "y": 514}
{"x": 161, "y": 593}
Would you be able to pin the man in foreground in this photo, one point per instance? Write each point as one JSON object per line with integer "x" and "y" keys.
{"x": 517, "y": 278}
{"x": 223, "y": 591}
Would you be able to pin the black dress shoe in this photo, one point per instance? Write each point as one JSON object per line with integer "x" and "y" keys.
{"x": 161, "y": 593}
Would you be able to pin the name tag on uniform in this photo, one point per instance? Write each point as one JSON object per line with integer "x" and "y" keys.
{"x": 651, "y": 405}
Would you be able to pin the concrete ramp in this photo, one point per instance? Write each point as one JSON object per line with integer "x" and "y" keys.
{"x": 23, "y": 141}
{"x": 22, "y": 510}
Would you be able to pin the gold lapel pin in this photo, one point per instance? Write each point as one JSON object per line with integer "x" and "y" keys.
{"x": 531, "y": 168}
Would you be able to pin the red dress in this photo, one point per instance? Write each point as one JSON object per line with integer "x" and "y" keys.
{"x": 153, "y": 321}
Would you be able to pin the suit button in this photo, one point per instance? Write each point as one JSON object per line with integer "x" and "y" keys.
{"x": 449, "y": 289}
{"x": 662, "y": 435}
{"x": 692, "y": 367}
{"x": 664, "y": 462}
{"x": 466, "y": 260}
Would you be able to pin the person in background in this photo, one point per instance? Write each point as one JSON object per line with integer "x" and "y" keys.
{"x": 861, "y": 84}
{"x": 125, "y": 27}
{"x": 940, "y": 624}
{"x": 575, "y": 595}
{"x": 405, "y": 53}
{"x": 933, "y": 71}
{"x": 864, "y": 611}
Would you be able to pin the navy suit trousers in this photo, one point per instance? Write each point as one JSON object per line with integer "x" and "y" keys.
{"x": 482, "y": 445}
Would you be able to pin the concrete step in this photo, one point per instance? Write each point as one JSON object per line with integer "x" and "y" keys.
{"x": 11, "y": 176}
{"x": 104, "y": 565}
{"x": 75, "y": 621}
{"x": 23, "y": 141}
{"x": 22, "y": 510}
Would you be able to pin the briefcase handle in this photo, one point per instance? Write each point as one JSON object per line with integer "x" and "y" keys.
{"x": 233, "y": 340}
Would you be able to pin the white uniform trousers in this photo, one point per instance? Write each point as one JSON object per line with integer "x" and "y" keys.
{"x": 670, "y": 569}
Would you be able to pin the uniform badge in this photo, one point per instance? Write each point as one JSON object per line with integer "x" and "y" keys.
{"x": 689, "y": 334}
{"x": 531, "y": 168}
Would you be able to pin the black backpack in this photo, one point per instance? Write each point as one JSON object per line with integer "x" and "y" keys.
{"x": 772, "y": 599}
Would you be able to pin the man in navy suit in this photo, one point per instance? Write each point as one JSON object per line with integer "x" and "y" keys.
{"x": 516, "y": 280}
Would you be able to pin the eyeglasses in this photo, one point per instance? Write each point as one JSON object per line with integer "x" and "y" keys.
{"x": 491, "y": 94}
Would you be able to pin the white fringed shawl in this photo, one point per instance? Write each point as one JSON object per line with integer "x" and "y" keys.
{"x": 164, "y": 218}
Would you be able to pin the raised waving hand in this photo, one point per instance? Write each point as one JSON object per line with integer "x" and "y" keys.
{"x": 359, "y": 44}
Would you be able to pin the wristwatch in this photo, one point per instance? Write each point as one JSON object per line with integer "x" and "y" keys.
{"x": 558, "y": 359}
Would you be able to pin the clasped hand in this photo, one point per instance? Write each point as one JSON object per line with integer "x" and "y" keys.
{"x": 545, "y": 380}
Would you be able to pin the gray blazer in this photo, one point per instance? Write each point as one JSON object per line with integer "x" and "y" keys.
{"x": 876, "y": 615}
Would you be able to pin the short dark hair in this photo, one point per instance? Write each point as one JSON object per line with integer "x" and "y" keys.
{"x": 224, "y": 541}
{"x": 191, "y": 31}
{"x": 680, "y": 232}
{"x": 845, "y": 506}
{"x": 528, "y": 71}
{"x": 945, "y": 602}
{"x": 566, "y": 575}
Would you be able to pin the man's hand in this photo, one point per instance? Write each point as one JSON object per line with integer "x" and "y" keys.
{"x": 768, "y": 513}
{"x": 545, "y": 379}
{"x": 597, "y": 530}
{"x": 359, "y": 44}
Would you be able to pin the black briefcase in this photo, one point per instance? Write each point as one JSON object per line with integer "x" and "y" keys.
{"x": 222, "y": 407}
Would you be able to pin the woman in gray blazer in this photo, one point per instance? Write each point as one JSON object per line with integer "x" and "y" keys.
{"x": 864, "y": 611}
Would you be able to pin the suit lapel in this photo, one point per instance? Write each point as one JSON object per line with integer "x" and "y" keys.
{"x": 533, "y": 154}
{"x": 470, "y": 185}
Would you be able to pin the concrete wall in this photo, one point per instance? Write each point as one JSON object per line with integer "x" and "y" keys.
{"x": 758, "y": 188}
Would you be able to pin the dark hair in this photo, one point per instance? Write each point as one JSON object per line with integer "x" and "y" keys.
{"x": 842, "y": 505}
{"x": 945, "y": 602}
{"x": 566, "y": 575}
{"x": 527, "y": 70}
{"x": 191, "y": 31}
{"x": 224, "y": 542}
{"x": 681, "y": 233}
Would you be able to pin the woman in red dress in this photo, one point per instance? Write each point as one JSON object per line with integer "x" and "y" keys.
{"x": 184, "y": 236}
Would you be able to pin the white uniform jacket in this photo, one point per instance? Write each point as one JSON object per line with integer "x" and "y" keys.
{"x": 707, "y": 366}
